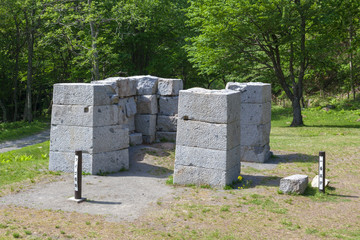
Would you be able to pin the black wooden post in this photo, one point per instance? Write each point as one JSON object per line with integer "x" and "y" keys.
{"x": 78, "y": 174}
{"x": 322, "y": 172}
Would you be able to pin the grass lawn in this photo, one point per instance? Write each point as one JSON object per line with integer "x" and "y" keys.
{"x": 256, "y": 212}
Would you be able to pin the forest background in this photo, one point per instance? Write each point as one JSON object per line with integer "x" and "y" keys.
{"x": 301, "y": 47}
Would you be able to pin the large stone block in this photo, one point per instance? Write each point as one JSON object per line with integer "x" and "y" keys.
{"x": 127, "y": 106}
{"x": 145, "y": 124}
{"x": 127, "y": 110}
{"x": 168, "y": 105}
{"x": 215, "y": 106}
{"x": 165, "y": 136}
{"x": 145, "y": 85}
{"x": 255, "y": 135}
{"x": 93, "y": 163}
{"x": 88, "y": 139}
{"x": 252, "y": 92}
{"x": 207, "y": 158}
{"x": 294, "y": 184}
{"x": 259, "y": 154}
{"x": 124, "y": 86}
{"x": 168, "y": 87}
{"x": 205, "y": 176}
{"x": 255, "y": 113}
{"x": 147, "y": 104}
{"x": 84, "y": 115}
{"x": 166, "y": 123}
{"x": 84, "y": 94}
{"x": 208, "y": 135}
{"x": 135, "y": 139}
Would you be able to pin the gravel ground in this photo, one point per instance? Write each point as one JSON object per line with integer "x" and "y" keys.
{"x": 121, "y": 196}
{"x": 23, "y": 142}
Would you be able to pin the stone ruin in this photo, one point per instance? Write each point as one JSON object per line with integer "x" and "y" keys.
{"x": 215, "y": 130}
{"x": 255, "y": 118}
{"x": 104, "y": 117}
{"x": 208, "y": 138}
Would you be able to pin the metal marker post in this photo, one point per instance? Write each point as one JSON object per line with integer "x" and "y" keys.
{"x": 78, "y": 177}
{"x": 322, "y": 172}
{"x": 77, "y": 174}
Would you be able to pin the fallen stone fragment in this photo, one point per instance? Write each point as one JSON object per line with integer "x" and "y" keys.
{"x": 294, "y": 184}
{"x": 315, "y": 182}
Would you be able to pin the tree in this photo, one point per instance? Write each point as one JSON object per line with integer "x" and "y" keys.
{"x": 256, "y": 37}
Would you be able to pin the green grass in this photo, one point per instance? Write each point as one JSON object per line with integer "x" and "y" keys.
{"x": 16, "y": 130}
{"x": 336, "y": 129}
{"x": 23, "y": 164}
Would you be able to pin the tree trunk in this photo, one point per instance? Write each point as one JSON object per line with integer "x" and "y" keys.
{"x": 30, "y": 40}
{"x": 95, "y": 61}
{"x": 351, "y": 60}
{"x": 297, "y": 117}
{"x": 3, "y": 109}
{"x": 16, "y": 70}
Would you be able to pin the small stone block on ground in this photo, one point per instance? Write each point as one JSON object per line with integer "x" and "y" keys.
{"x": 315, "y": 182}
{"x": 294, "y": 184}
{"x": 135, "y": 139}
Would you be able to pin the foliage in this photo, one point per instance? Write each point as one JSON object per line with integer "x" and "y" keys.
{"x": 14, "y": 130}
{"x": 24, "y": 164}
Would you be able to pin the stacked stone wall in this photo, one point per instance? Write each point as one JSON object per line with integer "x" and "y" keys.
{"x": 255, "y": 120}
{"x": 207, "y": 142}
{"x": 102, "y": 118}
{"x": 86, "y": 117}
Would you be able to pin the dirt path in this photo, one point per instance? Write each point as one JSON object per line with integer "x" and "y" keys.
{"x": 23, "y": 142}
{"x": 118, "y": 197}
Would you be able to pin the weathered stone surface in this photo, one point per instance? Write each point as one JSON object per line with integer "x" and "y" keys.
{"x": 145, "y": 85}
{"x": 214, "y": 106}
{"x": 83, "y": 94}
{"x": 126, "y": 87}
{"x": 168, "y": 105}
{"x": 145, "y": 124}
{"x": 259, "y": 154}
{"x": 93, "y": 163}
{"x": 205, "y": 176}
{"x": 255, "y": 135}
{"x": 252, "y": 92}
{"x": 255, "y": 113}
{"x": 127, "y": 110}
{"x": 294, "y": 184}
{"x": 315, "y": 182}
{"x": 167, "y": 87}
{"x": 135, "y": 139}
{"x": 147, "y": 104}
{"x": 149, "y": 138}
{"x": 207, "y": 158}
{"x": 208, "y": 135}
{"x": 165, "y": 136}
{"x": 89, "y": 139}
{"x": 84, "y": 115}
{"x": 166, "y": 123}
